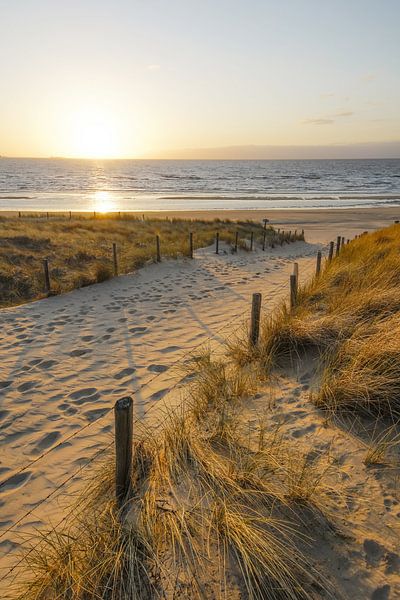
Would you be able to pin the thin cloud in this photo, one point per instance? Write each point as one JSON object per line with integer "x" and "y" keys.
{"x": 343, "y": 113}
{"x": 329, "y": 119}
{"x": 327, "y": 95}
{"x": 318, "y": 121}
{"x": 153, "y": 67}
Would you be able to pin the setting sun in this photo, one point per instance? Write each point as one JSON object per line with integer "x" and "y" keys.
{"x": 93, "y": 134}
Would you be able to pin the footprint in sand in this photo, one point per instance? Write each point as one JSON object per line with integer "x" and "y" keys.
{"x": 79, "y": 352}
{"x": 47, "y": 364}
{"x": 137, "y": 330}
{"x": 158, "y": 395}
{"x": 3, "y": 414}
{"x": 124, "y": 373}
{"x": 15, "y": 482}
{"x": 5, "y": 384}
{"x": 157, "y": 368}
{"x": 28, "y": 385}
{"x": 169, "y": 349}
{"x": 85, "y": 395}
{"x": 48, "y": 440}
{"x": 94, "y": 414}
{"x": 67, "y": 409}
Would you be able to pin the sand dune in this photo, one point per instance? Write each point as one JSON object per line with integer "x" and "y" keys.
{"x": 67, "y": 359}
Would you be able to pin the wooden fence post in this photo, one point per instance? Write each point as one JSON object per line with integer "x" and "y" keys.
{"x": 46, "y": 276}
{"x": 236, "y": 241}
{"x": 264, "y": 237}
{"x": 255, "y": 319}
{"x": 338, "y": 240}
{"x": 293, "y": 291}
{"x": 330, "y": 255}
{"x": 115, "y": 259}
{"x": 191, "y": 245}
{"x": 19, "y": 214}
{"x": 158, "y": 249}
{"x": 251, "y": 240}
{"x": 318, "y": 267}
{"x": 123, "y": 414}
{"x": 342, "y": 242}
{"x": 47, "y": 216}
{"x": 217, "y": 243}
{"x": 296, "y": 272}
{"x": 70, "y": 215}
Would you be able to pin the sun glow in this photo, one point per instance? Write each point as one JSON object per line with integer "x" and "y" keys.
{"x": 103, "y": 202}
{"x": 93, "y": 134}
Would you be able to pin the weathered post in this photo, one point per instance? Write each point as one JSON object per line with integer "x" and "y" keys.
{"x": 94, "y": 214}
{"x": 293, "y": 291}
{"x": 264, "y": 238}
{"x": 70, "y": 215}
{"x": 191, "y": 244}
{"x": 236, "y": 241}
{"x": 330, "y": 255}
{"x": 46, "y": 276}
{"x": 47, "y": 216}
{"x": 19, "y": 214}
{"x": 115, "y": 259}
{"x": 338, "y": 240}
{"x": 318, "y": 267}
{"x": 255, "y": 319}
{"x": 342, "y": 242}
{"x": 217, "y": 243}
{"x": 251, "y": 240}
{"x": 123, "y": 414}
{"x": 265, "y": 223}
{"x": 158, "y": 249}
{"x": 296, "y": 271}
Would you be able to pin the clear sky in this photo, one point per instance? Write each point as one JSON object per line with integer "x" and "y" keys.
{"x": 132, "y": 78}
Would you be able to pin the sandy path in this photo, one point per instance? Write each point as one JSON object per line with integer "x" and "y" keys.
{"x": 65, "y": 361}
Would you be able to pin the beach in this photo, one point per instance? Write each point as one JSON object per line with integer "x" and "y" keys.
{"x": 67, "y": 359}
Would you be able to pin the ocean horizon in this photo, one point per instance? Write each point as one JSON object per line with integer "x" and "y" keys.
{"x": 60, "y": 184}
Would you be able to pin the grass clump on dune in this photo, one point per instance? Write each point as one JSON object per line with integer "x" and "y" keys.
{"x": 350, "y": 314}
{"x": 217, "y": 511}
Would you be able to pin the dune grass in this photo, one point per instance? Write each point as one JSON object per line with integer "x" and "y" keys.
{"x": 217, "y": 511}
{"x": 79, "y": 250}
{"x": 350, "y": 314}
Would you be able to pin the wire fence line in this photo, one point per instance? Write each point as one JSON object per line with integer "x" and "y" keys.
{"x": 99, "y": 453}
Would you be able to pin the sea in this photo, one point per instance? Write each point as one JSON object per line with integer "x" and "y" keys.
{"x": 58, "y": 184}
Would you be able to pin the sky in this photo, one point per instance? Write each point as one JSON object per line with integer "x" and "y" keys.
{"x": 199, "y": 78}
